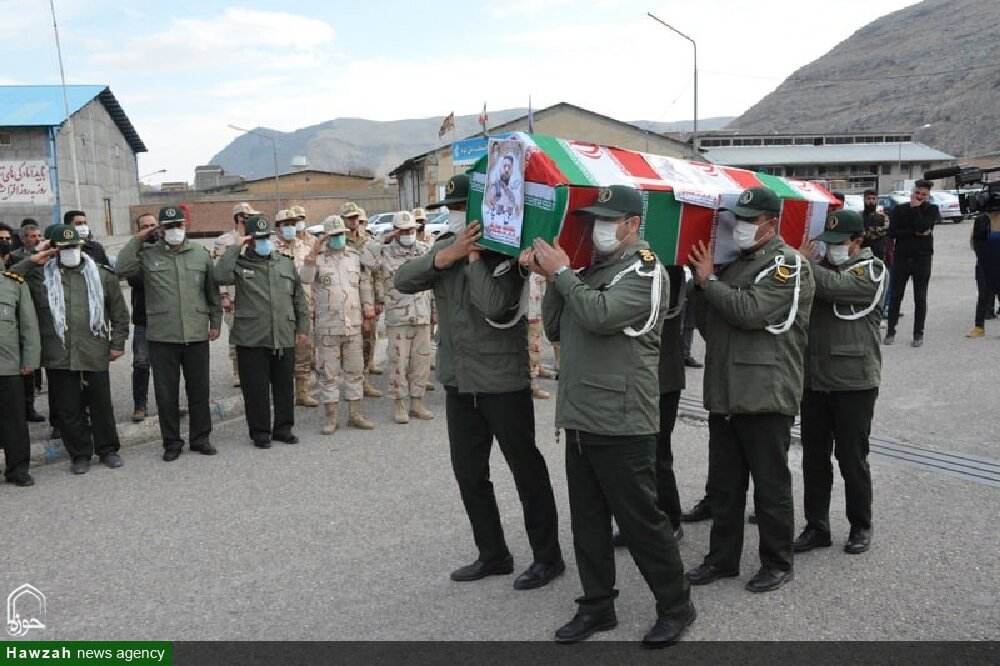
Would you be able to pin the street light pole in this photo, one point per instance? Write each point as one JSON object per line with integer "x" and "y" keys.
{"x": 274, "y": 155}
{"x": 694, "y": 134}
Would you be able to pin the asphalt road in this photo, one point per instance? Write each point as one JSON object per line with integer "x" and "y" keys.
{"x": 353, "y": 536}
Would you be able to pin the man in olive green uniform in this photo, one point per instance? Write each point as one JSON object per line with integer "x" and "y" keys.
{"x": 241, "y": 212}
{"x": 843, "y": 369}
{"x": 484, "y": 369}
{"x": 271, "y": 317}
{"x": 84, "y": 323}
{"x": 754, "y": 316}
{"x": 20, "y": 355}
{"x": 368, "y": 249}
{"x": 407, "y": 324}
{"x": 288, "y": 243}
{"x": 183, "y": 314}
{"x": 608, "y": 320}
{"x": 343, "y": 293}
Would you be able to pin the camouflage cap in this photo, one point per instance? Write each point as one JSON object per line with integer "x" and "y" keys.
{"x": 419, "y": 214}
{"x": 243, "y": 208}
{"x": 285, "y": 215}
{"x": 256, "y": 226}
{"x": 299, "y": 211}
{"x": 841, "y": 225}
{"x": 362, "y": 215}
{"x": 170, "y": 215}
{"x": 350, "y": 209}
{"x": 404, "y": 220}
{"x": 334, "y": 224}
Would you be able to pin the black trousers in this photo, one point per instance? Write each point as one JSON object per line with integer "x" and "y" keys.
{"x": 473, "y": 422}
{"x": 13, "y": 426}
{"x": 167, "y": 360}
{"x": 667, "y": 498}
{"x": 838, "y": 422}
{"x": 267, "y": 374}
{"x": 904, "y": 269}
{"x": 740, "y": 446}
{"x": 616, "y": 476}
{"x": 986, "y": 295}
{"x": 73, "y": 395}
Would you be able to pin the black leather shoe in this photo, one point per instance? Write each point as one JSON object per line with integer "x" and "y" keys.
{"x": 23, "y": 479}
{"x": 32, "y": 416}
{"x": 539, "y": 574}
{"x": 262, "y": 442}
{"x": 287, "y": 439}
{"x": 700, "y": 511}
{"x": 692, "y": 362}
{"x": 479, "y": 570}
{"x": 205, "y": 449}
{"x": 617, "y": 540}
{"x": 112, "y": 460}
{"x": 585, "y": 625}
{"x": 704, "y": 574}
{"x": 768, "y": 579}
{"x": 811, "y": 538}
{"x": 858, "y": 542}
{"x": 80, "y": 465}
{"x": 171, "y": 453}
{"x": 667, "y": 631}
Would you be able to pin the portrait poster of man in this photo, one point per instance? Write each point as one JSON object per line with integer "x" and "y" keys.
{"x": 503, "y": 198}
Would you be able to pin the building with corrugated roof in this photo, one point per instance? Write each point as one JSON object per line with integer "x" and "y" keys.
{"x": 37, "y": 177}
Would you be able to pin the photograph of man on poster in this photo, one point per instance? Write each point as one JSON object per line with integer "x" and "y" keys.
{"x": 503, "y": 200}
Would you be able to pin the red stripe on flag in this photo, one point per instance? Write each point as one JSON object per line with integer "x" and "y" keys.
{"x": 745, "y": 179}
{"x": 633, "y": 164}
{"x": 574, "y": 237}
{"x": 697, "y": 224}
{"x": 794, "y": 213}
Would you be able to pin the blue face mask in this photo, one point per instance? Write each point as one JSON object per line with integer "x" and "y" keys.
{"x": 263, "y": 247}
{"x": 337, "y": 242}
{"x": 288, "y": 232}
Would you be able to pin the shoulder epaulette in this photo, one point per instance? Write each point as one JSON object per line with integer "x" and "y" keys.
{"x": 858, "y": 270}
{"x": 14, "y": 276}
{"x": 648, "y": 259}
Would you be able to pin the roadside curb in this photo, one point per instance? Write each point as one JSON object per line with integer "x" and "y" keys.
{"x": 132, "y": 434}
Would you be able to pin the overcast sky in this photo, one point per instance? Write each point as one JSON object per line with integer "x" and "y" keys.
{"x": 183, "y": 70}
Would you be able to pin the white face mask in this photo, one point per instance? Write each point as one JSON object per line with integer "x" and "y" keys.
{"x": 83, "y": 230}
{"x": 407, "y": 241}
{"x": 456, "y": 220}
{"x": 838, "y": 254}
{"x": 745, "y": 234}
{"x": 71, "y": 257}
{"x": 605, "y": 236}
{"x": 300, "y": 225}
{"x": 288, "y": 232}
{"x": 173, "y": 236}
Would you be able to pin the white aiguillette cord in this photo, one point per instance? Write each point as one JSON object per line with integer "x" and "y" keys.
{"x": 880, "y": 279}
{"x": 654, "y": 295}
{"x": 779, "y": 262}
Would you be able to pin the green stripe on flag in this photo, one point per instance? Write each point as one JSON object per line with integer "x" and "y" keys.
{"x": 779, "y": 186}
{"x": 662, "y": 225}
{"x": 564, "y": 159}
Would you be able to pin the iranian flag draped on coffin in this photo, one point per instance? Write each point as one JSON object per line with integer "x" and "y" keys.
{"x": 682, "y": 199}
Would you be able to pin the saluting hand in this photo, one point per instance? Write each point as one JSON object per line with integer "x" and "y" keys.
{"x": 43, "y": 253}
{"x": 701, "y": 262}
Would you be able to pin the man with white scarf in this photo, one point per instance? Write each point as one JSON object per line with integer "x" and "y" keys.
{"x": 84, "y": 323}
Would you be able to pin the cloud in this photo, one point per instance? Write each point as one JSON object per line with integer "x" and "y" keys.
{"x": 510, "y": 8}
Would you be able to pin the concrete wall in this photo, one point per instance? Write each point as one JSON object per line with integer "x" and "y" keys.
{"x": 213, "y": 215}
{"x": 420, "y": 186}
{"x": 105, "y": 163}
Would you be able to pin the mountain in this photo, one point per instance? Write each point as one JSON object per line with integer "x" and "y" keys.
{"x": 704, "y": 124}
{"x": 371, "y": 146}
{"x": 930, "y": 69}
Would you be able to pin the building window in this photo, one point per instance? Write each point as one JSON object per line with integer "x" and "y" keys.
{"x": 5, "y": 140}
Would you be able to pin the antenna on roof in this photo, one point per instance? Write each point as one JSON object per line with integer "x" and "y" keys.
{"x": 69, "y": 121}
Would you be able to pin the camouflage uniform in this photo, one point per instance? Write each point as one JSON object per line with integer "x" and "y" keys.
{"x": 408, "y": 325}
{"x": 341, "y": 289}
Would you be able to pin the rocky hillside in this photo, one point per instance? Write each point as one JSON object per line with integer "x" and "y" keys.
{"x": 933, "y": 64}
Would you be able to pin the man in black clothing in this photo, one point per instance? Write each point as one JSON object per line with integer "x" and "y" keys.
{"x": 93, "y": 249}
{"x": 140, "y": 348}
{"x": 876, "y": 225}
{"x": 912, "y": 229}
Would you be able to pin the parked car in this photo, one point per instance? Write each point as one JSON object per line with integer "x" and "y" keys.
{"x": 948, "y": 206}
{"x": 891, "y": 200}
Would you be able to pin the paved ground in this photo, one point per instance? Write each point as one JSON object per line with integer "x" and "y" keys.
{"x": 352, "y": 536}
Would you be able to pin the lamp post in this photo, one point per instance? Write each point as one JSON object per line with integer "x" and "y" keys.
{"x": 274, "y": 153}
{"x": 152, "y": 173}
{"x": 694, "y": 134}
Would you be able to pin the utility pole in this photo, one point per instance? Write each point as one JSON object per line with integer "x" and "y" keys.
{"x": 696, "y": 154}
